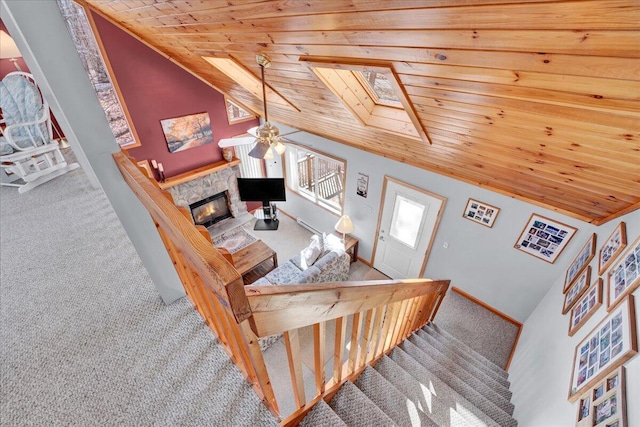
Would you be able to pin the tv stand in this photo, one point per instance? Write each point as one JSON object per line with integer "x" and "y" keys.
{"x": 266, "y": 224}
{"x": 270, "y": 221}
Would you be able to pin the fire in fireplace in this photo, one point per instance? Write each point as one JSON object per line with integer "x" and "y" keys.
{"x": 213, "y": 209}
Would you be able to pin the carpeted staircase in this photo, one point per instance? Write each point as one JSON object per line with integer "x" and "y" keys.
{"x": 431, "y": 379}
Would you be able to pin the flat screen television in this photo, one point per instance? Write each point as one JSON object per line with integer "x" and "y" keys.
{"x": 265, "y": 190}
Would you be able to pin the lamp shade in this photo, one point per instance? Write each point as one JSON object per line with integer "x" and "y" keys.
{"x": 344, "y": 225}
{"x": 8, "y": 48}
{"x": 260, "y": 150}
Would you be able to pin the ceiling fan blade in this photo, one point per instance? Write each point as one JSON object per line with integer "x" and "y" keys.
{"x": 253, "y": 131}
{"x": 232, "y": 142}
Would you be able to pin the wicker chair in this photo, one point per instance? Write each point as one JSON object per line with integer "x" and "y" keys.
{"x": 29, "y": 156}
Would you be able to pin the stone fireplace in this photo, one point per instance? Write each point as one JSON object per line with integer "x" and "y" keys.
{"x": 211, "y": 210}
{"x": 193, "y": 188}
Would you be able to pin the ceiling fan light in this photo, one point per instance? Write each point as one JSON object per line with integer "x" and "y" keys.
{"x": 258, "y": 152}
{"x": 269, "y": 154}
{"x": 279, "y": 147}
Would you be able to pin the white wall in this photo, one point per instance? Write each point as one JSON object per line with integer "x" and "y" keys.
{"x": 480, "y": 260}
{"x": 540, "y": 372}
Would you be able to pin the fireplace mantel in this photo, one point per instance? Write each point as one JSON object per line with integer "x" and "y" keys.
{"x": 196, "y": 173}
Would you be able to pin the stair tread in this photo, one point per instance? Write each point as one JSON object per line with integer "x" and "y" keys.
{"x": 461, "y": 345}
{"x": 388, "y": 398}
{"x": 495, "y": 391}
{"x": 479, "y": 371}
{"x": 356, "y": 409}
{"x": 443, "y": 404}
{"x": 465, "y": 351}
{"x": 452, "y": 371}
{"x": 473, "y": 395}
{"x": 322, "y": 415}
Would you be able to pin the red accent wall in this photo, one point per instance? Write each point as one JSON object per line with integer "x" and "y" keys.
{"x": 154, "y": 89}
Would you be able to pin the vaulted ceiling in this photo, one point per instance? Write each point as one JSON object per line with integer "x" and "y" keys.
{"x": 538, "y": 100}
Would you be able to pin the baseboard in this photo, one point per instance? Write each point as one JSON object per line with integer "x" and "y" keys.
{"x": 497, "y": 313}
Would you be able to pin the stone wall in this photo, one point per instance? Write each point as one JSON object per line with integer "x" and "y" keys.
{"x": 216, "y": 182}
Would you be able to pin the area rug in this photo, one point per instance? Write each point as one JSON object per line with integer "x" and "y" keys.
{"x": 234, "y": 240}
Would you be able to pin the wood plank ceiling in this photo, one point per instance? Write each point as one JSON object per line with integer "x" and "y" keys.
{"x": 539, "y": 100}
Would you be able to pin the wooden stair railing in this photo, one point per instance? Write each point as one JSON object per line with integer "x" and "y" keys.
{"x": 210, "y": 281}
{"x": 382, "y": 313}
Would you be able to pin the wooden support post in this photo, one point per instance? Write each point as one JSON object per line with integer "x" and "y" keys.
{"x": 338, "y": 352}
{"x": 400, "y": 323}
{"x": 356, "y": 328}
{"x": 319, "y": 345}
{"x": 392, "y": 324}
{"x": 257, "y": 361}
{"x": 292, "y": 344}
{"x": 376, "y": 333}
{"x": 366, "y": 336}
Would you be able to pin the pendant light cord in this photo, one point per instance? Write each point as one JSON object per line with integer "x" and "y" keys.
{"x": 264, "y": 95}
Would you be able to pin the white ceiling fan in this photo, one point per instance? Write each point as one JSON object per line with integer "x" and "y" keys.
{"x": 266, "y": 137}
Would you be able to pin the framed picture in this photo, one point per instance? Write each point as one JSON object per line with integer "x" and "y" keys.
{"x": 363, "y": 185}
{"x": 579, "y": 263}
{"x": 585, "y": 307}
{"x": 624, "y": 276}
{"x": 579, "y": 287}
{"x": 544, "y": 238}
{"x": 605, "y": 404}
{"x": 612, "y": 247}
{"x": 480, "y": 212}
{"x": 607, "y": 347}
{"x": 187, "y": 132}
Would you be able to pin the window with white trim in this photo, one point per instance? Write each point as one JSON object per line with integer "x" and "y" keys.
{"x": 250, "y": 167}
{"x": 77, "y": 21}
{"x": 237, "y": 114}
{"x": 316, "y": 177}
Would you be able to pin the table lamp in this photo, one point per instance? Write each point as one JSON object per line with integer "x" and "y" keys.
{"x": 344, "y": 226}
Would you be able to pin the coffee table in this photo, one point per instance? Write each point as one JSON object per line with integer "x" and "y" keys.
{"x": 254, "y": 261}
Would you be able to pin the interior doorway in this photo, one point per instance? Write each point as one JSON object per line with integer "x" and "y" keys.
{"x": 407, "y": 225}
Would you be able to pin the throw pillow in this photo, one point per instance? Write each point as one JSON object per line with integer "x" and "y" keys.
{"x": 331, "y": 242}
{"x": 309, "y": 255}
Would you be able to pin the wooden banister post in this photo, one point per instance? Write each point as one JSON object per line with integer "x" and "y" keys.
{"x": 292, "y": 345}
{"x": 255, "y": 354}
{"x": 338, "y": 352}
{"x": 319, "y": 345}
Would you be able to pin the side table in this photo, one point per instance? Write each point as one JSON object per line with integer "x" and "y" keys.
{"x": 350, "y": 246}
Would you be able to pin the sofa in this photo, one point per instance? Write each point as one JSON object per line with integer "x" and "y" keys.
{"x": 324, "y": 260}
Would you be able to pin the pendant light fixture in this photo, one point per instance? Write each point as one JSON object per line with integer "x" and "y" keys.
{"x": 267, "y": 136}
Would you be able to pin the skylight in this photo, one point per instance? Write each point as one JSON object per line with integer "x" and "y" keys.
{"x": 372, "y": 93}
{"x": 379, "y": 88}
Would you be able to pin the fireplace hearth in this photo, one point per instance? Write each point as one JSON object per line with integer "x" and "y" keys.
{"x": 211, "y": 210}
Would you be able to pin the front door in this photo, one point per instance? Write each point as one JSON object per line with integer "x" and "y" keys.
{"x": 406, "y": 227}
